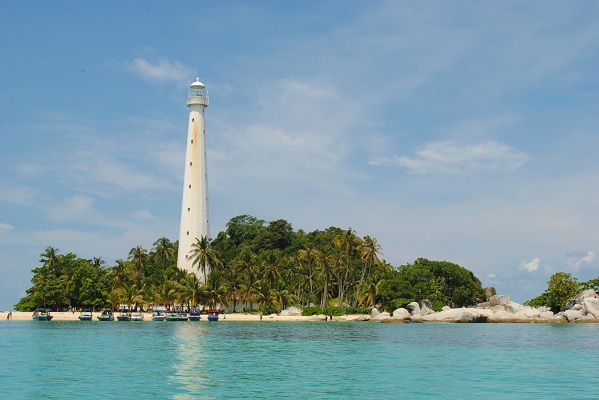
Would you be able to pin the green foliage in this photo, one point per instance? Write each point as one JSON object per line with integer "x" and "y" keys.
{"x": 591, "y": 284}
{"x": 309, "y": 311}
{"x": 441, "y": 282}
{"x": 561, "y": 287}
{"x": 333, "y": 310}
{"x": 357, "y": 310}
{"x": 253, "y": 265}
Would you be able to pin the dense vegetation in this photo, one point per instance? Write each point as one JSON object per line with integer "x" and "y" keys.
{"x": 253, "y": 263}
{"x": 561, "y": 288}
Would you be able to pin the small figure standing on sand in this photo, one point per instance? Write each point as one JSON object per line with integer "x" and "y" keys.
{"x": 9, "y": 315}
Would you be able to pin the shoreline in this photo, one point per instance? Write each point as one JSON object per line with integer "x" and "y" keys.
{"x": 236, "y": 317}
{"x": 246, "y": 317}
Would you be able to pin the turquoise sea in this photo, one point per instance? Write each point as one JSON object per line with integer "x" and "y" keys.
{"x": 297, "y": 360}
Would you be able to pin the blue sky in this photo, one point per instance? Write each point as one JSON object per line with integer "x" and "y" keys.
{"x": 460, "y": 131}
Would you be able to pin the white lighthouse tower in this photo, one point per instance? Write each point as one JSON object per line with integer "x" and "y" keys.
{"x": 195, "y": 222}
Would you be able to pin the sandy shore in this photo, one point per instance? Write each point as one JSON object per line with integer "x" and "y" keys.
{"x": 237, "y": 317}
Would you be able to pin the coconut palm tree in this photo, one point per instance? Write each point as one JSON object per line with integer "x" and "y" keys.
{"x": 216, "y": 290}
{"x": 191, "y": 290}
{"x": 308, "y": 257}
{"x": 119, "y": 273}
{"x": 166, "y": 293}
{"x": 140, "y": 260}
{"x": 130, "y": 294}
{"x": 203, "y": 257}
{"x": 345, "y": 243}
{"x": 369, "y": 250}
{"x": 324, "y": 264}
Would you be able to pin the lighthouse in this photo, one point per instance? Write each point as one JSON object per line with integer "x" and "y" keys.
{"x": 195, "y": 222}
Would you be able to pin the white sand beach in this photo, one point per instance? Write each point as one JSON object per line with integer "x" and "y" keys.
{"x": 237, "y": 317}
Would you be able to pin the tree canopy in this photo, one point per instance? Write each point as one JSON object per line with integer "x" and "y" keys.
{"x": 253, "y": 263}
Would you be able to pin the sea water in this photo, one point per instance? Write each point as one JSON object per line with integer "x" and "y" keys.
{"x": 297, "y": 360}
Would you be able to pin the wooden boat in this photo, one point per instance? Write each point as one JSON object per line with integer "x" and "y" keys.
{"x": 213, "y": 315}
{"x": 194, "y": 315}
{"x": 158, "y": 315}
{"x": 125, "y": 316}
{"x": 42, "y": 314}
{"x": 85, "y": 315}
{"x": 106, "y": 315}
{"x": 137, "y": 316}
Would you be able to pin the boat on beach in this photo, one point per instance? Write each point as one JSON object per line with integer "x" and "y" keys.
{"x": 137, "y": 316}
{"x": 85, "y": 315}
{"x": 213, "y": 315}
{"x": 124, "y": 316}
{"x": 42, "y": 314}
{"x": 194, "y": 314}
{"x": 106, "y": 315}
{"x": 158, "y": 315}
{"x": 172, "y": 316}
{"x": 183, "y": 316}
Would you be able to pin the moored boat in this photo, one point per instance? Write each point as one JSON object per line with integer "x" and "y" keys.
{"x": 42, "y": 314}
{"x": 137, "y": 316}
{"x": 106, "y": 315}
{"x": 183, "y": 316}
{"x": 158, "y": 315}
{"x": 213, "y": 315}
{"x": 194, "y": 314}
{"x": 172, "y": 316}
{"x": 125, "y": 316}
{"x": 85, "y": 315}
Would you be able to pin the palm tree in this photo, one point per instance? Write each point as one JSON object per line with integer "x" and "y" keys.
{"x": 309, "y": 255}
{"x": 234, "y": 281}
{"x": 166, "y": 292}
{"x": 345, "y": 243}
{"x": 191, "y": 290}
{"x": 114, "y": 298}
{"x": 369, "y": 251}
{"x": 120, "y": 274}
{"x": 324, "y": 264}
{"x": 271, "y": 268}
{"x": 140, "y": 259}
{"x": 203, "y": 256}
{"x": 131, "y": 295}
{"x": 163, "y": 251}
{"x": 368, "y": 296}
{"x": 216, "y": 290}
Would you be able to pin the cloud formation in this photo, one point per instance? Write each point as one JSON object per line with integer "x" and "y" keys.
{"x": 531, "y": 265}
{"x": 162, "y": 70}
{"x": 447, "y": 157}
{"x": 5, "y": 227}
{"x": 580, "y": 259}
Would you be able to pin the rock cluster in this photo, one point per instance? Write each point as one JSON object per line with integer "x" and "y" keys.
{"x": 582, "y": 308}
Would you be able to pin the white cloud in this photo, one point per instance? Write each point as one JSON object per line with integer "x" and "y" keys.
{"x": 73, "y": 208}
{"x": 450, "y": 158}
{"x": 5, "y": 227}
{"x": 531, "y": 265}
{"x": 162, "y": 70}
{"x": 580, "y": 259}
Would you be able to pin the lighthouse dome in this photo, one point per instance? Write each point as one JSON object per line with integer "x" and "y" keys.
{"x": 197, "y": 84}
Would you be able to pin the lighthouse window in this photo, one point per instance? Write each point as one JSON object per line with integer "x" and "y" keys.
{"x": 193, "y": 119}
{"x": 191, "y": 141}
{"x": 190, "y": 163}
{"x": 190, "y": 186}
{"x": 187, "y": 233}
{"x": 189, "y": 209}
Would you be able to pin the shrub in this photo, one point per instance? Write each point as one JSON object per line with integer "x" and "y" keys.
{"x": 309, "y": 311}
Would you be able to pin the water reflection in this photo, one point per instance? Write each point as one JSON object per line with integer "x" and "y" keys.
{"x": 189, "y": 377}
